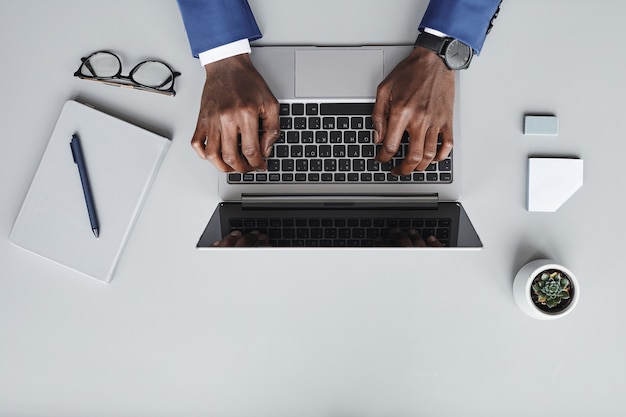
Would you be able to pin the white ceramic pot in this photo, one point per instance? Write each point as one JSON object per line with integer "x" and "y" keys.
{"x": 522, "y": 289}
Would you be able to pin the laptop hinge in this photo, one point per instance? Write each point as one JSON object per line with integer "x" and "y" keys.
{"x": 332, "y": 201}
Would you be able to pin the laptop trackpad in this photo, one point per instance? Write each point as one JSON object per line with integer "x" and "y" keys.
{"x": 338, "y": 73}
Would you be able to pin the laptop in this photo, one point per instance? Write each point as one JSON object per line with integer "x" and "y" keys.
{"x": 323, "y": 187}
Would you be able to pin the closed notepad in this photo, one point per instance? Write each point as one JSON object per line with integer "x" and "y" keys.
{"x": 122, "y": 161}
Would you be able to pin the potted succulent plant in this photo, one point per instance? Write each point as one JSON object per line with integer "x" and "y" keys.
{"x": 545, "y": 290}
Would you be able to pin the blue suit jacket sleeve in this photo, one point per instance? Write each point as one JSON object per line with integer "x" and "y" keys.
{"x": 465, "y": 20}
{"x": 213, "y": 23}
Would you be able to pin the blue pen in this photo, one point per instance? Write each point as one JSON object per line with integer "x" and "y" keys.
{"x": 77, "y": 153}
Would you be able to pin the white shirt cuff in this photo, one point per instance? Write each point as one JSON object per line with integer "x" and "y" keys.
{"x": 435, "y": 32}
{"x": 225, "y": 51}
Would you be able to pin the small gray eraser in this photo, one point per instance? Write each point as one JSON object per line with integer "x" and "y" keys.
{"x": 541, "y": 125}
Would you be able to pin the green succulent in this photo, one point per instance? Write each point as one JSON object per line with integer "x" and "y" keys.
{"x": 552, "y": 288}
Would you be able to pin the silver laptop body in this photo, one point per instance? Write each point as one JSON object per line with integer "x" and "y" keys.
{"x": 329, "y": 76}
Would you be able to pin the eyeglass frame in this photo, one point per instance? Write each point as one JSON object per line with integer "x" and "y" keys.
{"x": 119, "y": 80}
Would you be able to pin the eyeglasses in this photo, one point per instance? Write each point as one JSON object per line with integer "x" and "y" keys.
{"x": 150, "y": 75}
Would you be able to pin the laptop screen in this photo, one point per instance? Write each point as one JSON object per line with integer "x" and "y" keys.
{"x": 446, "y": 226}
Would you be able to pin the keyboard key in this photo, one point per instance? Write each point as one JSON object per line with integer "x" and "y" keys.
{"x": 234, "y": 177}
{"x": 330, "y": 165}
{"x": 297, "y": 151}
{"x": 306, "y": 136}
{"x": 321, "y": 136}
{"x": 357, "y": 123}
{"x": 349, "y": 109}
{"x": 310, "y": 151}
{"x": 315, "y": 165}
{"x": 328, "y": 123}
{"x": 286, "y": 123}
{"x": 284, "y": 109}
{"x": 273, "y": 165}
{"x": 339, "y": 151}
{"x": 354, "y": 151}
{"x": 282, "y": 151}
{"x": 344, "y": 165}
{"x": 349, "y": 136}
{"x": 300, "y": 123}
{"x": 312, "y": 109}
{"x": 297, "y": 109}
{"x": 287, "y": 165}
{"x": 372, "y": 165}
{"x": 302, "y": 164}
{"x": 343, "y": 123}
{"x": 336, "y": 137}
{"x": 365, "y": 136}
{"x": 358, "y": 165}
{"x": 293, "y": 137}
{"x": 315, "y": 123}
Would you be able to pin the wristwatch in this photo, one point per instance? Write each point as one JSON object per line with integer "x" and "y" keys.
{"x": 455, "y": 53}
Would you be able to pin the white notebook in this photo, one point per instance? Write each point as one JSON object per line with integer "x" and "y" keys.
{"x": 121, "y": 160}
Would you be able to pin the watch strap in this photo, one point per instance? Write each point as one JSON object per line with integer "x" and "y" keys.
{"x": 432, "y": 42}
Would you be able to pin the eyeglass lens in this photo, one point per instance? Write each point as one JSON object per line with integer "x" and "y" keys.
{"x": 101, "y": 64}
{"x": 151, "y": 74}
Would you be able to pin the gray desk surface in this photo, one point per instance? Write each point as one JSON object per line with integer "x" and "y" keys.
{"x": 188, "y": 333}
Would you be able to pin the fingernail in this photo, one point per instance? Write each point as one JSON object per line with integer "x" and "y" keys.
{"x": 431, "y": 239}
{"x": 412, "y": 232}
{"x": 235, "y": 233}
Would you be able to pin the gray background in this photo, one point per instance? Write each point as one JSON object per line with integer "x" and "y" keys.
{"x": 387, "y": 333}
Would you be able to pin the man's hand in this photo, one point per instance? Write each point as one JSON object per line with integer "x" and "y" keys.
{"x": 416, "y": 97}
{"x": 235, "y": 97}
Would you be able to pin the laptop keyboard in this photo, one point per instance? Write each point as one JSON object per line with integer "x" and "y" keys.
{"x": 341, "y": 232}
{"x": 333, "y": 143}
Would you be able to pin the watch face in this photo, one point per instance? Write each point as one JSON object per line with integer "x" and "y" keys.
{"x": 458, "y": 55}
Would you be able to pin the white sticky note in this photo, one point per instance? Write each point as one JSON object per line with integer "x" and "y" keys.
{"x": 552, "y": 181}
{"x": 541, "y": 125}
